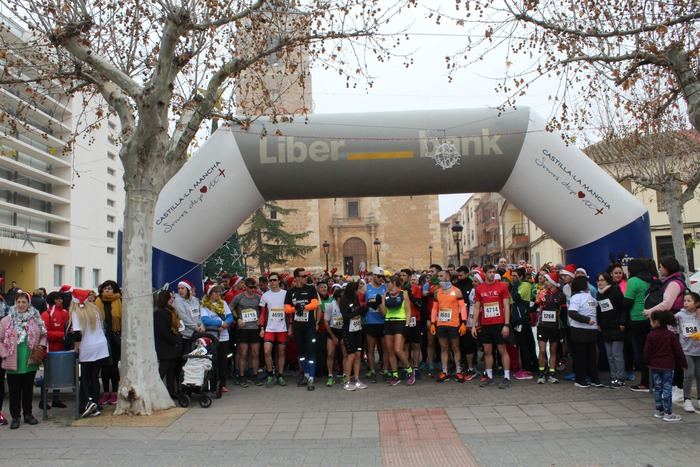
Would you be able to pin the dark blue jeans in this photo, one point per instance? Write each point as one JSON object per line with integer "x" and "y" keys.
{"x": 663, "y": 382}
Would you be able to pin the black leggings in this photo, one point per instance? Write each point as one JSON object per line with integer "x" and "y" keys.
{"x": 305, "y": 335}
{"x": 110, "y": 374}
{"x": 21, "y": 388}
{"x": 90, "y": 380}
{"x": 640, "y": 329}
{"x": 526, "y": 346}
{"x": 169, "y": 369}
{"x": 585, "y": 361}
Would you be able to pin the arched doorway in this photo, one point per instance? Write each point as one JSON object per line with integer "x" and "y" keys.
{"x": 354, "y": 255}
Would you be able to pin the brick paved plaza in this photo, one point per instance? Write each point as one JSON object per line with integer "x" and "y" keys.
{"x": 427, "y": 424}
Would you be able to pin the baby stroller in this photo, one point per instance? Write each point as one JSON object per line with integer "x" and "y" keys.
{"x": 199, "y": 374}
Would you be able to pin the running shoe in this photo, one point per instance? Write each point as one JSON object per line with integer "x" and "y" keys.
{"x": 360, "y": 385}
{"x": 570, "y": 376}
{"x": 225, "y": 389}
{"x": 505, "y": 384}
{"x": 470, "y": 375}
{"x": 269, "y": 381}
{"x": 551, "y": 379}
{"x": 96, "y": 413}
{"x": 330, "y": 381}
{"x": 112, "y": 399}
{"x": 349, "y": 386}
{"x": 281, "y": 381}
{"x": 561, "y": 364}
{"x": 616, "y": 384}
{"x": 540, "y": 379}
{"x": 104, "y": 398}
{"x": 639, "y": 388}
{"x": 483, "y": 378}
{"x": 486, "y": 382}
{"x": 522, "y": 374}
{"x": 310, "y": 384}
{"x": 659, "y": 414}
{"x": 442, "y": 377}
{"x": 259, "y": 380}
{"x": 411, "y": 378}
{"x": 394, "y": 381}
{"x": 596, "y": 384}
{"x": 582, "y": 385}
{"x": 302, "y": 380}
{"x": 3, "y": 420}
{"x": 688, "y": 406}
{"x": 677, "y": 394}
{"x": 672, "y": 417}
{"x": 371, "y": 376}
{"x": 459, "y": 377}
{"x": 90, "y": 407}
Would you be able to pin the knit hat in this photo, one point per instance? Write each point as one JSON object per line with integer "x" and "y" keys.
{"x": 583, "y": 271}
{"x": 80, "y": 296}
{"x": 186, "y": 284}
{"x": 552, "y": 278}
{"x": 569, "y": 270}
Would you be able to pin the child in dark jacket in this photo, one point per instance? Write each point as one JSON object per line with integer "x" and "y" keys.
{"x": 662, "y": 353}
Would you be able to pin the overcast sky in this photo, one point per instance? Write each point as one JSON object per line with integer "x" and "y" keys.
{"x": 425, "y": 84}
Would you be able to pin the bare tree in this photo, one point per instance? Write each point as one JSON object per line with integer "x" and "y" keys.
{"x": 639, "y": 58}
{"x": 164, "y": 67}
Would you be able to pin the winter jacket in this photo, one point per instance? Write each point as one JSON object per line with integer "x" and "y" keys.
{"x": 611, "y": 314}
{"x": 8, "y": 341}
{"x": 168, "y": 343}
{"x": 56, "y": 320}
{"x": 189, "y": 313}
{"x": 662, "y": 351}
{"x": 39, "y": 303}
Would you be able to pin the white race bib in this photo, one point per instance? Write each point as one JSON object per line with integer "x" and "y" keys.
{"x": 689, "y": 329}
{"x": 492, "y": 310}
{"x": 605, "y": 305}
{"x": 303, "y": 318}
{"x": 249, "y": 315}
{"x": 337, "y": 322}
{"x": 412, "y": 322}
{"x": 445, "y": 315}
{"x": 549, "y": 316}
{"x": 276, "y": 314}
{"x": 355, "y": 324}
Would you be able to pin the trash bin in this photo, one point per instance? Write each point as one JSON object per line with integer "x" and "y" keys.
{"x": 61, "y": 372}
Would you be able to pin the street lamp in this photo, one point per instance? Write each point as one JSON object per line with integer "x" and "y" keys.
{"x": 377, "y": 246}
{"x": 430, "y": 253}
{"x": 326, "y": 246}
{"x": 457, "y": 237}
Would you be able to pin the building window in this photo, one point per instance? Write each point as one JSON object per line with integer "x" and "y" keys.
{"x": 57, "y": 275}
{"x": 111, "y": 203}
{"x": 95, "y": 278}
{"x": 110, "y": 250}
{"x": 111, "y": 156}
{"x": 110, "y": 187}
{"x": 110, "y": 218}
{"x": 78, "y": 277}
{"x": 664, "y": 247}
{"x": 110, "y": 171}
{"x": 273, "y": 214}
{"x": 110, "y": 234}
{"x": 660, "y": 203}
{"x": 353, "y": 209}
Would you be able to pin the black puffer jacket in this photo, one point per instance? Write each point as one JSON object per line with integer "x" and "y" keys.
{"x": 611, "y": 313}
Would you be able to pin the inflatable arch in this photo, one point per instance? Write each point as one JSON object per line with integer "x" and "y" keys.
{"x": 390, "y": 153}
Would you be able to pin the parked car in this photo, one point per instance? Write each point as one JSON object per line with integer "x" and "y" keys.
{"x": 694, "y": 282}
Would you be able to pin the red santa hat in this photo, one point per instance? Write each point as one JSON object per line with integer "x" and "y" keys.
{"x": 569, "y": 270}
{"x": 478, "y": 275}
{"x": 80, "y": 296}
{"x": 234, "y": 280}
{"x": 186, "y": 284}
{"x": 65, "y": 288}
{"x": 583, "y": 271}
{"x": 552, "y": 278}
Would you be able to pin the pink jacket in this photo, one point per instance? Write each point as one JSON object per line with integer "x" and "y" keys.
{"x": 8, "y": 341}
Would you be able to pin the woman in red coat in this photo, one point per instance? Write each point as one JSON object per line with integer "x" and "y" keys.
{"x": 56, "y": 321}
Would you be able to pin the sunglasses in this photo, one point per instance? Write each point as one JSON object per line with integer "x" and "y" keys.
{"x": 273, "y": 280}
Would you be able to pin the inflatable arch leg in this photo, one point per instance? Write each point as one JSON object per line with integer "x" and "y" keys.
{"x": 391, "y": 154}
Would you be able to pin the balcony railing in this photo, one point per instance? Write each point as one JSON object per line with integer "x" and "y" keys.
{"x": 519, "y": 236}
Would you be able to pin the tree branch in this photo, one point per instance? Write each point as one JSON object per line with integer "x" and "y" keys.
{"x": 690, "y": 187}
{"x": 227, "y": 19}
{"x": 688, "y": 81}
{"x": 637, "y": 55}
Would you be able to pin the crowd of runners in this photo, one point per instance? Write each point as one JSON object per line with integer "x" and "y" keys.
{"x": 490, "y": 324}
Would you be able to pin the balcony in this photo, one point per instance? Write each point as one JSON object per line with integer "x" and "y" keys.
{"x": 34, "y": 145}
{"x": 369, "y": 221}
{"x": 519, "y": 237}
{"x": 492, "y": 247}
{"x": 14, "y": 103}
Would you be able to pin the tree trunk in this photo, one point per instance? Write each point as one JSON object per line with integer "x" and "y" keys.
{"x": 141, "y": 391}
{"x": 674, "y": 209}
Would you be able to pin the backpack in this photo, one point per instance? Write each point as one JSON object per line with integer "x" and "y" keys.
{"x": 655, "y": 294}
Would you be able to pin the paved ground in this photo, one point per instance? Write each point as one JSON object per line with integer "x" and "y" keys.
{"x": 427, "y": 424}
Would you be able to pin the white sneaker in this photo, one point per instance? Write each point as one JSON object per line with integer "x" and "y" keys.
{"x": 360, "y": 385}
{"x": 672, "y": 417}
{"x": 659, "y": 414}
{"x": 90, "y": 407}
{"x": 349, "y": 386}
{"x": 677, "y": 395}
{"x": 688, "y": 406}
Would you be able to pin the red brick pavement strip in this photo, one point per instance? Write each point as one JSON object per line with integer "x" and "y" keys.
{"x": 421, "y": 437}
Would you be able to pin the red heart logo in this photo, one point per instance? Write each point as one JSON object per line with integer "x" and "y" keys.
{"x": 204, "y": 189}
{"x": 581, "y": 194}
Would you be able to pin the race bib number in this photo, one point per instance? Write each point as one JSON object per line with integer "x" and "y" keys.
{"x": 412, "y": 322}
{"x": 303, "y": 317}
{"x": 492, "y": 310}
{"x": 355, "y": 324}
{"x": 689, "y": 329}
{"x": 549, "y": 316}
{"x": 249, "y": 315}
{"x": 445, "y": 315}
{"x": 605, "y": 305}
{"x": 276, "y": 314}
{"x": 337, "y": 323}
